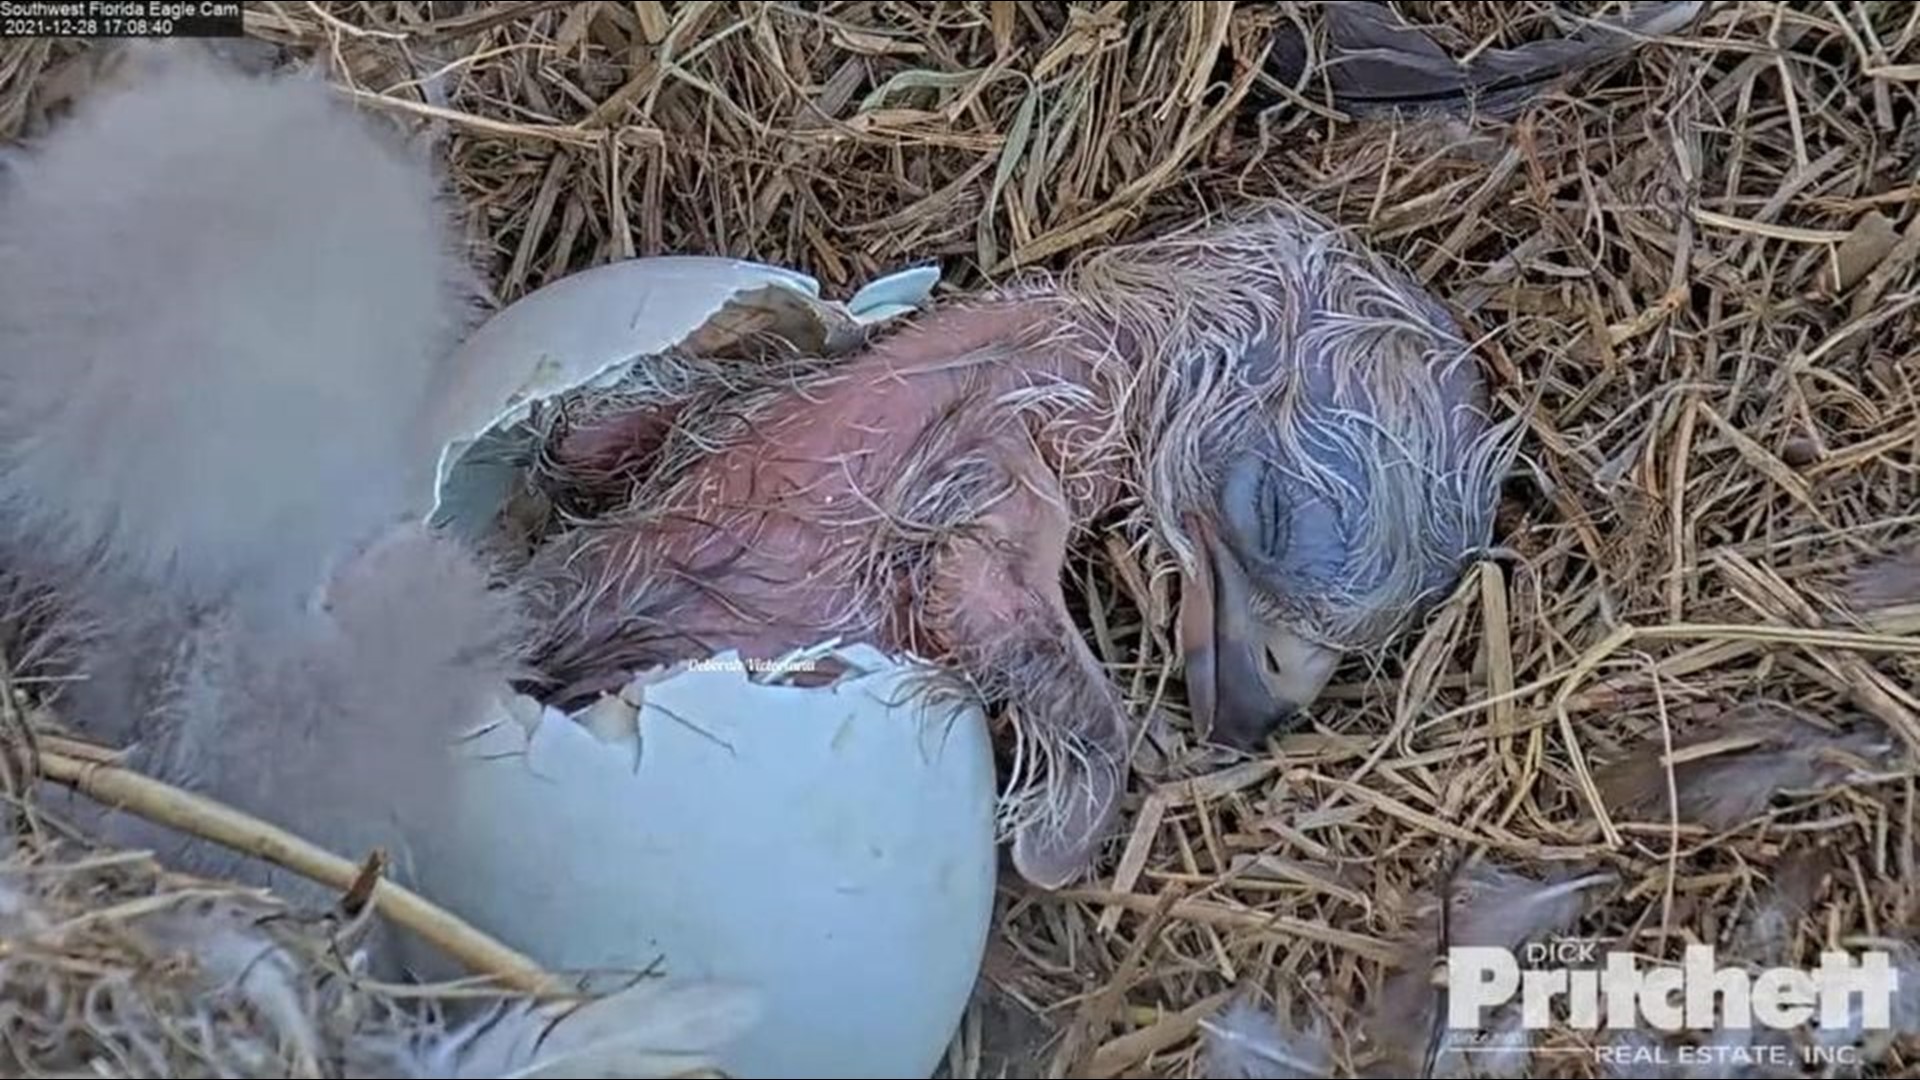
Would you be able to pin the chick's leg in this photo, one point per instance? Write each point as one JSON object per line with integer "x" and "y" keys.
{"x": 996, "y": 600}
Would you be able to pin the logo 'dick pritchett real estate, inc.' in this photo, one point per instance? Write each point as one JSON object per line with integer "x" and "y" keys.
{"x": 1845, "y": 992}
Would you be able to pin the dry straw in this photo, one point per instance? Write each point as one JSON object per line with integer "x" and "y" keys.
{"x": 1698, "y": 264}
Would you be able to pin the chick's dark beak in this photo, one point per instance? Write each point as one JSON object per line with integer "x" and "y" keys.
{"x": 1246, "y": 678}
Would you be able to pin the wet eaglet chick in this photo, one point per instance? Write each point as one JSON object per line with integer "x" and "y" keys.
{"x": 1300, "y": 425}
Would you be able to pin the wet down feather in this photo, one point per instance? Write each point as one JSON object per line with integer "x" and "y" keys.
{"x": 1295, "y": 419}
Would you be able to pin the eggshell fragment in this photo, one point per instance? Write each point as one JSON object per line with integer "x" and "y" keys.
{"x": 587, "y": 329}
{"x": 830, "y": 849}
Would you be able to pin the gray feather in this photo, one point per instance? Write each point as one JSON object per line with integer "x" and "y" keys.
{"x": 1770, "y": 749}
{"x": 1245, "y": 1041}
{"x": 1487, "y": 906}
{"x": 1886, "y": 582}
{"x": 1374, "y": 60}
{"x": 225, "y": 305}
{"x": 652, "y": 1029}
{"x": 224, "y": 301}
{"x": 1494, "y": 907}
{"x": 336, "y": 724}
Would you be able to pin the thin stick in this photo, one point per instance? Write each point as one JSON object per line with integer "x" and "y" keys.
{"x": 167, "y": 805}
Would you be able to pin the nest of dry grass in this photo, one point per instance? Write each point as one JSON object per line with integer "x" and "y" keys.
{"x": 111, "y": 965}
{"x": 1696, "y": 271}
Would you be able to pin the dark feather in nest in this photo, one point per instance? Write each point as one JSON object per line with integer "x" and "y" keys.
{"x": 1488, "y": 906}
{"x": 1493, "y": 907}
{"x": 1375, "y": 60}
{"x": 1890, "y": 581}
{"x": 1769, "y": 749}
{"x": 1768, "y": 934}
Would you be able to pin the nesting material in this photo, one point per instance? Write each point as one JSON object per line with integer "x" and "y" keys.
{"x": 112, "y": 967}
{"x": 1720, "y": 392}
{"x": 1485, "y": 906}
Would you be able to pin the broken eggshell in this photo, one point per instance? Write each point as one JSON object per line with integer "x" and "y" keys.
{"x": 828, "y": 849}
{"x": 587, "y": 330}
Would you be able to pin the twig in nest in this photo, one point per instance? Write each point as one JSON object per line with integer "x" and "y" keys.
{"x": 360, "y": 893}
{"x": 167, "y": 805}
{"x": 1437, "y": 1028}
{"x": 16, "y": 749}
{"x": 564, "y": 134}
